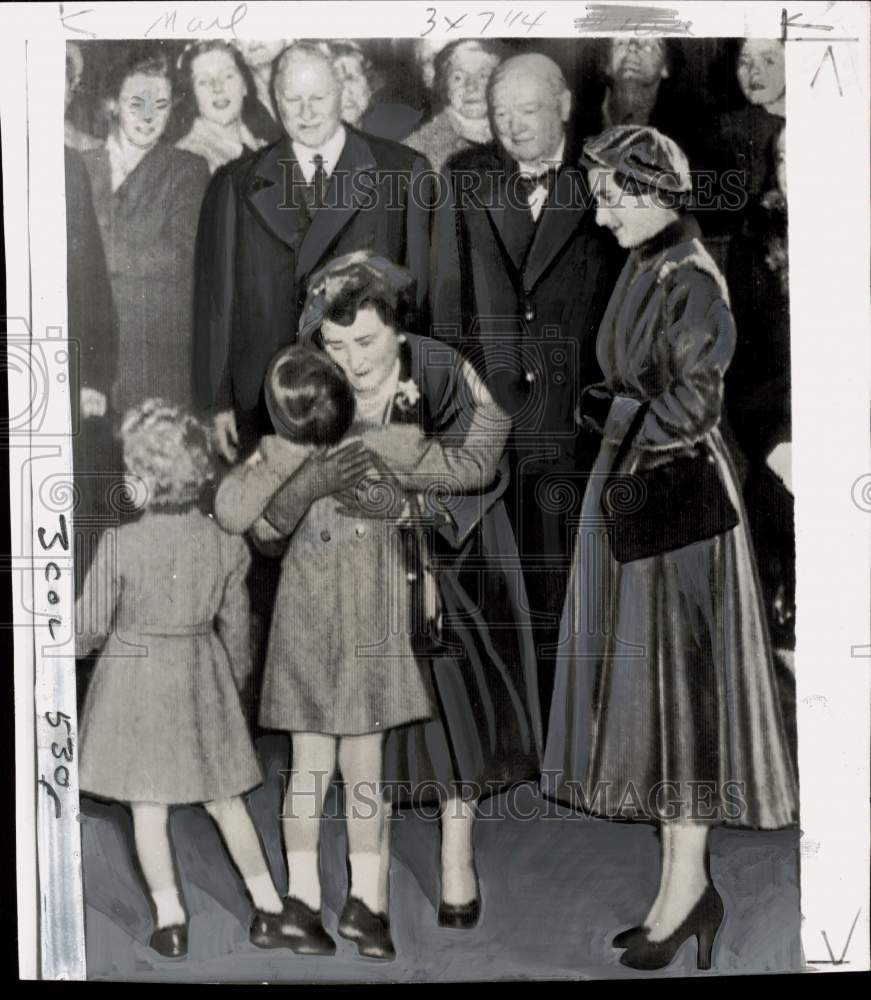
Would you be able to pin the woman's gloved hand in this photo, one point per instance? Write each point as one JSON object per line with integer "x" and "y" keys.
{"x": 594, "y": 406}
{"x": 338, "y": 470}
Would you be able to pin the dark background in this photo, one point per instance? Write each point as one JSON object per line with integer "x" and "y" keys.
{"x": 702, "y": 78}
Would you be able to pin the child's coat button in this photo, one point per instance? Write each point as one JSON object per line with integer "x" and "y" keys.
{"x": 325, "y": 535}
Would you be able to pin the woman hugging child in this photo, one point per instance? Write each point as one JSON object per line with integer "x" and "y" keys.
{"x": 337, "y": 676}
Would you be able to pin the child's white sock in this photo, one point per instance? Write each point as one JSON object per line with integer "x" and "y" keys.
{"x": 304, "y": 880}
{"x": 262, "y": 890}
{"x": 366, "y": 878}
{"x": 169, "y": 909}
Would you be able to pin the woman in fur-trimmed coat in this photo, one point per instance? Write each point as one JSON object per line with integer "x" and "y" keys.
{"x": 665, "y": 705}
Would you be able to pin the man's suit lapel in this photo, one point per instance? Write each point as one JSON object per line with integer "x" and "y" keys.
{"x": 496, "y": 191}
{"x": 345, "y": 193}
{"x": 564, "y": 209}
{"x": 270, "y": 192}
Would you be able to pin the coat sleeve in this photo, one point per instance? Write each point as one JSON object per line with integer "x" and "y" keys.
{"x": 214, "y": 294}
{"x": 96, "y": 605}
{"x": 418, "y": 229}
{"x": 464, "y": 450}
{"x": 245, "y": 492}
{"x": 233, "y": 620}
{"x": 91, "y": 315}
{"x": 700, "y": 334}
{"x": 445, "y": 271}
{"x": 459, "y": 468}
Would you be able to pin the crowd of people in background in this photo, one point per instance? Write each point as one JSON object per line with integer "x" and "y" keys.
{"x": 214, "y": 223}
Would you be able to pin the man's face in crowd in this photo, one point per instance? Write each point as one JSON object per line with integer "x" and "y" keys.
{"x": 634, "y": 60}
{"x": 309, "y": 99}
{"x": 528, "y": 117}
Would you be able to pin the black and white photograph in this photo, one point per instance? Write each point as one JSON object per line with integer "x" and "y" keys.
{"x": 443, "y": 557}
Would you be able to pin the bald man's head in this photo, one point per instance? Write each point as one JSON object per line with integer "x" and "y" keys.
{"x": 308, "y": 94}
{"x": 529, "y": 104}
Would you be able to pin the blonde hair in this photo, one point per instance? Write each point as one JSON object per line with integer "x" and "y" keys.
{"x": 168, "y": 450}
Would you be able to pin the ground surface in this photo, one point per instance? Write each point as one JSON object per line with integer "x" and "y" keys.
{"x": 555, "y": 889}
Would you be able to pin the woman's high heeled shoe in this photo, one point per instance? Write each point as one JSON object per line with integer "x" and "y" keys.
{"x": 629, "y": 937}
{"x": 702, "y": 922}
{"x": 462, "y": 916}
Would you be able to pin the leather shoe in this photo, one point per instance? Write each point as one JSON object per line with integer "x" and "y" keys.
{"x": 629, "y": 937}
{"x": 171, "y": 942}
{"x": 460, "y": 916}
{"x": 297, "y": 927}
{"x": 369, "y": 931}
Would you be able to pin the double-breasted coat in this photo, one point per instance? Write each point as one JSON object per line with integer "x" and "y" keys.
{"x": 524, "y": 300}
{"x": 257, "y": 247}
{"x": 665, "y": 698}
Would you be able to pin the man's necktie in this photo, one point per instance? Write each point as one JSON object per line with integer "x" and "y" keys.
{"x": 319, "y": 182}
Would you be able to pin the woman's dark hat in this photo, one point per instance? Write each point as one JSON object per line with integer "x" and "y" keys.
{"x": 378, "y": 277}
{"x": 641, "y": 154}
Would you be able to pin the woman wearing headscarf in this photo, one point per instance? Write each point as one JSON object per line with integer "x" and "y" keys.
{"x": 665, "y": 707}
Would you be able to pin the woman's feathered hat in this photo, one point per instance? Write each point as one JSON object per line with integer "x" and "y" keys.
{"x": 645, "y": 157}
{"x": 365, "y": 274}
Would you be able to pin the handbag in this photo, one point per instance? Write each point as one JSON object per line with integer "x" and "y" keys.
{"x": 667, "y": 507}
{"x": 425, "y": 605}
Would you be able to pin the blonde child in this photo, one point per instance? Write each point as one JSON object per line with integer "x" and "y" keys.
{"x": 162, "y": 723}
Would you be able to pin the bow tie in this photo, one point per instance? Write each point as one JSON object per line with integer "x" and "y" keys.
{"x": 526, "y": 184}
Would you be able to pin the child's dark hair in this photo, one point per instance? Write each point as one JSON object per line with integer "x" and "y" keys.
{"x": 309, "y": 398}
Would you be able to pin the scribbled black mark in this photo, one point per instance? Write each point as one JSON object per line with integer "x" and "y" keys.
{"x": 831, "y": 959}
{"x": 641, "y": 20}
{"x": 788, "y": 21}
{"x": 53, "y": 794}
{"x": 830, "y": 55}
{"x": 65, "y": 18}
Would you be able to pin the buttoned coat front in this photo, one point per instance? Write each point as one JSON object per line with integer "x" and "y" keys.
{"x": 256, "y": 251}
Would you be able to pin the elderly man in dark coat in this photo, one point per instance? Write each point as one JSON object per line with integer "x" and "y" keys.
{"x": 271, "y": 218}
{"x": 520, "y": 281}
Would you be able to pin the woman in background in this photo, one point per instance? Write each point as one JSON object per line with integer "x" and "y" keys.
{"x": 745, "y": 137}
{"x": 259, "y": 56}
{"x": 75, "y": 138}
{"x": 360, "y": 83}
{"x": 222, "y": 88}
{"x": 462, "y": 71}
{"x": 147, "y": 197}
